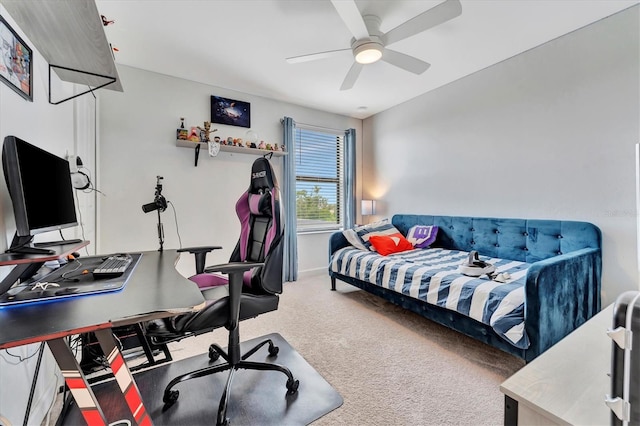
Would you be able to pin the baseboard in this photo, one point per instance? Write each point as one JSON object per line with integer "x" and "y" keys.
{"x": 310, "y": 273}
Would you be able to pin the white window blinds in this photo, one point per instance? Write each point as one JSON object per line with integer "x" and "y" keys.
{"x": 319, "y": 179}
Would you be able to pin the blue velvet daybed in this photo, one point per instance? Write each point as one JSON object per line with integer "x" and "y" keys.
{"x": 560, "y": 279}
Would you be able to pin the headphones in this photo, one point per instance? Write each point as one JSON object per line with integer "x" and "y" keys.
{"x": 79, "y": 179}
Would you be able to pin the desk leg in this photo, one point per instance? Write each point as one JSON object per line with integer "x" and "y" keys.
{"x": 77, "y": 383}
{"x": 123, "y": 377}
{"x": 510, "y": 411}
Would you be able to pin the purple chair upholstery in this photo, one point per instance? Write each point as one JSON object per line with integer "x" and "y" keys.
{"x": 244, "y": 288}
{"x": 261, "y": 228}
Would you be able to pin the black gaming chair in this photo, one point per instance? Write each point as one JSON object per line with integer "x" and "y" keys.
{"x": 254, "y": 282}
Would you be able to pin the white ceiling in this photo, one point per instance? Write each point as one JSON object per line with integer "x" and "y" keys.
{"x": 242, "y": 44}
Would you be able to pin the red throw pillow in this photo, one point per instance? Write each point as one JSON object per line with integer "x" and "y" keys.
{"x": 387, "y": 244}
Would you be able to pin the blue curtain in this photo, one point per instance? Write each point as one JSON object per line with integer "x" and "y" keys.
{"x": 289, "y": 195}
{"x": 350, "y": 180}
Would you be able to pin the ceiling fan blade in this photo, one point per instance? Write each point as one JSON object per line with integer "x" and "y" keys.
{"x": 352, "y": 76}
{"x": 406, "y": 62}
{"x": 348, "y": 11}
{"x": 315, "y": 56}
{"x": 429, "y": 19}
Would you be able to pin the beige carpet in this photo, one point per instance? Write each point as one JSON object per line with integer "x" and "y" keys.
{"x": 392, "y": 367}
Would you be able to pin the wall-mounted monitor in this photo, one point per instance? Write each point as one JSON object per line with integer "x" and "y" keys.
{"x": 230, "y": 112}
{"x": 39, "y": 184}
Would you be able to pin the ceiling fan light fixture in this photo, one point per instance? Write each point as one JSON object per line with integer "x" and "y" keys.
{"x": 368, "y": 53}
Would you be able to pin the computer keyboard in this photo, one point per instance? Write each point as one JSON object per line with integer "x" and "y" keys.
{"x": 113, "y": 266}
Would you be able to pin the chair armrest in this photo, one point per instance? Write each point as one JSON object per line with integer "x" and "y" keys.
{"x": 235, "y": 270}
{"x": 202, "y": 249}
{"x": 229, "y": 268}
{"x": 200, "y": 253}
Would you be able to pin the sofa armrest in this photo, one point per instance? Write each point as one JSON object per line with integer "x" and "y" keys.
{"x": 561, "y": 293}
{"x": 336, "y": 242}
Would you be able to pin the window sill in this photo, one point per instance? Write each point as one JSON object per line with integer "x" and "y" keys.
{"x": 318, "y": 231}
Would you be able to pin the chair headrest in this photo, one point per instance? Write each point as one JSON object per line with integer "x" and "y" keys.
{"x": 262, "y": 177}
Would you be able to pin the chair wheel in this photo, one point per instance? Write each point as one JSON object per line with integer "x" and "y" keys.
{"x": 171, "y": 397}
{"x": 213, "y": 354}
{"x": 292, "y": 386}
{"x": 273, "y": 350}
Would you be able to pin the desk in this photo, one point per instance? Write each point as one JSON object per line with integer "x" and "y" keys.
{"x": 566, "y": 384}
{"x": 154, "y": 290}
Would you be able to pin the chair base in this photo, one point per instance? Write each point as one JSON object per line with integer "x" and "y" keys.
{"x": 170, "y": 396}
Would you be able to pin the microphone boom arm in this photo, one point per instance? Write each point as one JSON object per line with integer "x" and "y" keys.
{"x": 159, "y": 204}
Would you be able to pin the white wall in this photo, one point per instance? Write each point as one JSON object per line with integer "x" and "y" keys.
{"x": 51, "y": 127}
{"x": 550, "y": 133}
{"x": 137, "y": 142}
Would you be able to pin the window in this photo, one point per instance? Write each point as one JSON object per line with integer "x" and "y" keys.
{"x": 319, "y": 179}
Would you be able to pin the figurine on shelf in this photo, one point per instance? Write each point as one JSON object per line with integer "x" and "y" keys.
{"x": 229, "y": 140}
{"x": 239, "y": 143}
{"x": 206, "y": 131}
{"x": 262, "y": 145}
{"x": 252, "y": 145}
{"x": 251, "y": 137}
{"x": 283, "y": 148}
{"x": 194, "y": 135}
{"x": 216, "y": 139}
{"x": 182, "y": 134}
{"x": 276, "y": 147}
{"x": 182, "y": 122}
{"x": 269, "y": 147}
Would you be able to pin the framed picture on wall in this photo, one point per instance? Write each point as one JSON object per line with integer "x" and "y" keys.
{"x": 230, "y": 111}
{"x": 15, "y": 62}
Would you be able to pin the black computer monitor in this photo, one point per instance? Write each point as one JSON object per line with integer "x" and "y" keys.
{"x": 40, "y": 188}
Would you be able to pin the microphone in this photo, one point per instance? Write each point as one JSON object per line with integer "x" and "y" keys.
{"x": 159, "y": 202}
{"x": 150, "y": 207}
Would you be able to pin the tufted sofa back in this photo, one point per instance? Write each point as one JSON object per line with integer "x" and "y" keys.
{"x": 525, "y": 240}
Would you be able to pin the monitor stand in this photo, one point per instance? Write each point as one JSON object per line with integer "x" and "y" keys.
{"x": 21, "y": 245}
{"x": 27, "y": 264}
{"x": 56, "y": 243}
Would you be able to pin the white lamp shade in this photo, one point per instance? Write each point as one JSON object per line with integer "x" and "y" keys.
{"x": 368, "y": 207}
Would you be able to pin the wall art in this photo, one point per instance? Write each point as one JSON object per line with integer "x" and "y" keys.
{"x": 15, "y": 61}
{"x": 230, "y": 112}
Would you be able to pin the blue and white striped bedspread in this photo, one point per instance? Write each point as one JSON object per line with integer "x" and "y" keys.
{"x": 432, "y": 275}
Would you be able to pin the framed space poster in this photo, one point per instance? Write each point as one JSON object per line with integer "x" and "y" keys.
{"x": 230, "y": 111}
{"x": 15, "y": 62}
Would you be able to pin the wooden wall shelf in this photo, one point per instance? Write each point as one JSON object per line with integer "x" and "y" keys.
{"x": 230, "y": 148}
{"x": 70, "y": 34}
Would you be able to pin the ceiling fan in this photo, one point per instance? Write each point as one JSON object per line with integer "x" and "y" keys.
{"x": 370, "y": 45}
